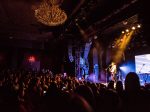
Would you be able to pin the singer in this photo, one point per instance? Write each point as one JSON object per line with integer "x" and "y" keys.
{"x": 112, "y": 69}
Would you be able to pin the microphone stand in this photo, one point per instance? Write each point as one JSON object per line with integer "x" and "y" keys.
{"x": 140, "y": 72}
{"x": 141, "y": 68}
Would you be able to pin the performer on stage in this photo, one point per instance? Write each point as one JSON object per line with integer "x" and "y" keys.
{"x": 112, "y": 72}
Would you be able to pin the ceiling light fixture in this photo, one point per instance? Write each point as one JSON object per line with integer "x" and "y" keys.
{"x": 49, "y": 13}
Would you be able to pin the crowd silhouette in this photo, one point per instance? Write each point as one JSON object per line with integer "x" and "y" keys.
{"x": 24, "y": 91}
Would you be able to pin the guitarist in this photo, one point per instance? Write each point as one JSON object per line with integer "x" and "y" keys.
{"x": 112, "y": 70}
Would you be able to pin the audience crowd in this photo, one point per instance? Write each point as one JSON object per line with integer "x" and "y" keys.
{"x": 22, "y": 91}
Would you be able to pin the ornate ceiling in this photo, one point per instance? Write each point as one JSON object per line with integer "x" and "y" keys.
{"x": 17, "y": 21}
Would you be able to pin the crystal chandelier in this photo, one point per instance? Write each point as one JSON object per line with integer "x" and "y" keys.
{"x": 49, "y": 13}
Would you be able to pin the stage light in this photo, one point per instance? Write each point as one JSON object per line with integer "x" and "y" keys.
{"x": 133, "y": 28}
{"x": 127, "y": 30}
{"x": 122, "y": 32}
{"x": 139, "y": 26}
{"x": 123, "y": 68}
{"x": 123, "y": 42}
{"x": 127, "y": 67}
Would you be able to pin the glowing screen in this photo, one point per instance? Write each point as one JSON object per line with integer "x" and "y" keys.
{"x": 142, "y": 63}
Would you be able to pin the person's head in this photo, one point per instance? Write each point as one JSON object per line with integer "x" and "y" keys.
{"x": 119, "y": 86}
{"x": 87, "y": 93}
{"x": 132, "y": 83}
{"x": 110, "y": 85}
{"x": 112, "y": 63}
{"x": 79, "y": 104}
